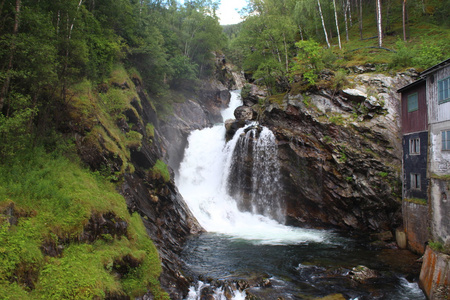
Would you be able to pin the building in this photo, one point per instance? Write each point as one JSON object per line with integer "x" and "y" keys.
{"x": 438, "y": 95}
{"x": 426, "y": 175}
{"x": 414, "y": 112}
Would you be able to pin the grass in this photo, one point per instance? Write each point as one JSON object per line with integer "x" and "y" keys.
{"x": 160, "y": 170}
{"x": 53, "y": 199}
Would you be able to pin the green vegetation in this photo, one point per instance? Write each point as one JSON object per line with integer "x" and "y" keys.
{"x": 383, "y": 174}
{"x": 439, "y": 247}
{"x": 160, "y": 170}
{"x": 54, "y": 52}
{"x": 46, "y": 202}
{"x": 73, "y": 73}
{"x": 417, "y": 201}
{"x": 296, "y": 40}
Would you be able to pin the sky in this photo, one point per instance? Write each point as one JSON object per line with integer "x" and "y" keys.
{"x": 228, "y": 11}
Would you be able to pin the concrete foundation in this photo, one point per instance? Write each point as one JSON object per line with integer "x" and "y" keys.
{"x": 416, "y": 225}
{"x": 435, "y": 275}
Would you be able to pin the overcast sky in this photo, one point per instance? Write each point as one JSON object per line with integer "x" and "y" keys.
{"x": 228, "y": 11}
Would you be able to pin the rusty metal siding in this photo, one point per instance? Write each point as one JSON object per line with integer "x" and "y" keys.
{"x": 437, "y": 112}
{"x": 415, "y": 121}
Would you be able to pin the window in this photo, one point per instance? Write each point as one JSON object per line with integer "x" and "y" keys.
{"x": 415, "y": 181}
{"x": 414, "y": 146}
{"x": 446, "y": 140}
{"x": 444, "y": 90}
{"x": 413, "y": 102}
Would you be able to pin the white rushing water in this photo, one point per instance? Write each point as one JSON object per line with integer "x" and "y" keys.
{"x": 203, "y": 178}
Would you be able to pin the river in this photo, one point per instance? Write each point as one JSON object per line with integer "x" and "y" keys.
{"x": 253, "y": 245}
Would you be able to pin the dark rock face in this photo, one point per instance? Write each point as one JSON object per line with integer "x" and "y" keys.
{"x": 168, "y": 222}
{"x": 340, "y": 155}
{"x": 201, "y": 111}
{"x": 165, "y": 215}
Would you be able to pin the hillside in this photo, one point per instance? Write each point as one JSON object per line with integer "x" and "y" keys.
{"x": 97, "y": 99}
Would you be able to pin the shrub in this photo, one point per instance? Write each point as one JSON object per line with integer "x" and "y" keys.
{"x": 428, "y": 55}
{"x": 404, "y": 55}
{"x": 309, "y": 61}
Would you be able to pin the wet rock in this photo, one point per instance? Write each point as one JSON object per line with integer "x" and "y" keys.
{"x": 362, "y": 274}
{"x": 244, "y": 113}
{"x": 340, "y": 154}
{"x": 200, "y": 111}
{"x": 252, "y": 94}
{"x": 333, "y": 297}
{"x": 207, "y": 293}
{"x": 104, "y": 226}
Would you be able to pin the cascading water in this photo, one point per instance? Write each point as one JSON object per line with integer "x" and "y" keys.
{"x": 254, "y": 178}
{"x": 233, "y": 189}
{"x": 210, "y": 182}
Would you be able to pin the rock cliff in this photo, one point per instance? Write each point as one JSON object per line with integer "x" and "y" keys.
{"x": 340, "y": 153}
{"x": 130, "y": 144}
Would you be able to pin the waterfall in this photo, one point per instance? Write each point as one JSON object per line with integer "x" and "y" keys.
{"x": 233, "y": 188}
{"x": 254, "y": 179}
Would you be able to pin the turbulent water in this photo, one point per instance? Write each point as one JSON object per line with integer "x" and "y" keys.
{"x": 232, "y": 189}
{"x": 204, "y": 183}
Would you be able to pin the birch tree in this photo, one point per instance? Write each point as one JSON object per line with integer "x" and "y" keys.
{"x": 323, "y": 24}
{"x": 346, "y": 9}
{"x": 337, "y": 24}
{"x": 379, "y": 24}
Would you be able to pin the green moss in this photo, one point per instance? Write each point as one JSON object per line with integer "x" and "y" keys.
{"x": 416, "y": 201}
{"x": 441, "y": 177}
{"x": 278, "y": 99}
{"x": 134, "y": 139}
{"x": 160, "y": 170}
{"x": 53, "y": 199}
{"x": 150, "y": 130}
{"x": 337, "y": 119}
{"x": 383, "y": 174}
{"x": 439, "y": 247}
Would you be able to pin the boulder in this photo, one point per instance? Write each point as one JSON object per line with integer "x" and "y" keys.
{"x": 362, "y": 274}
{"x": 244, "y": 113}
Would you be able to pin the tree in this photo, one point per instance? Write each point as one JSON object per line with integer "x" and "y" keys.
{"x": 360, "y": 20}
{"x": 12, "y": 49}
{"x": 323, "y": 24}
{"x": 379, "y": 24}
{"x": 404, "y": 19}
{"x": 337, "y": 24}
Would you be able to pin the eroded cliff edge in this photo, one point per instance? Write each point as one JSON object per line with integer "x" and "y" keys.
{"x": 340, "y": 152}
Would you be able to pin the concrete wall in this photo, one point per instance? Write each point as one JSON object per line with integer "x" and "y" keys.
{"x": 440, "y": 210}
{"x": 416, "y": 225}
{"x": 435, "y": 275}
{"x": 439, "y": 159}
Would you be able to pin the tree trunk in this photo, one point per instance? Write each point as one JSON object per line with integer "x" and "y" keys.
{"x": 12, "y": 49}
{"x": 349, "y": 7}
{"x": 379, "y": 24}
{"x": 301, "y": 32}
{"x": 360, "y": 20}
{"x": 404, "y": 19}
{"x": 337, "y": 24}
{"x": 323, "y": 24}
{"x": 346, "y": 20}
{"x": 286, "y": 53}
